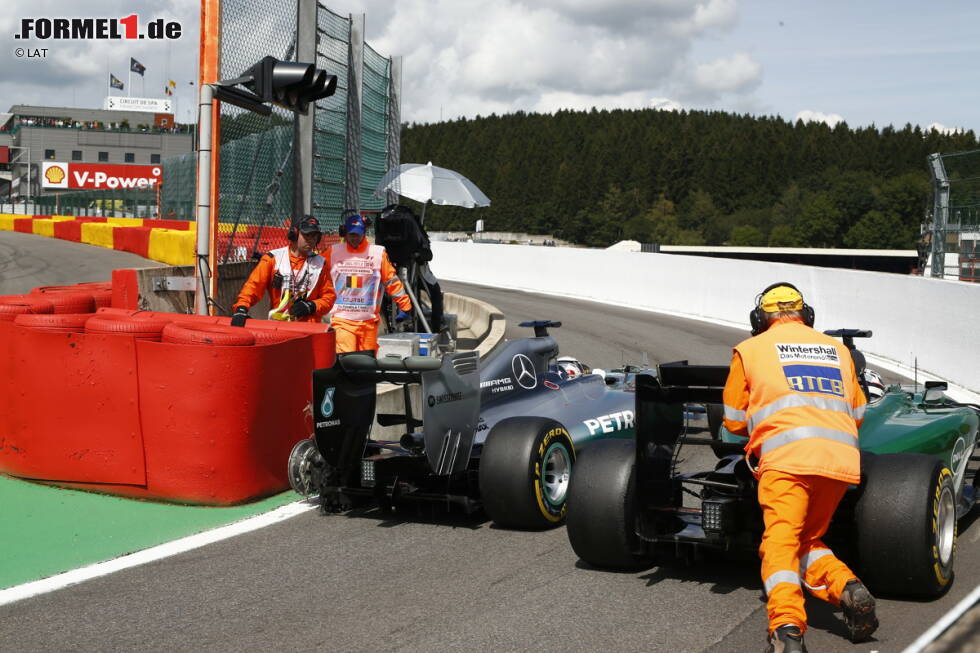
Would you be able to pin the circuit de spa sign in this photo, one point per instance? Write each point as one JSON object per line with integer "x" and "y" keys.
{"x": 98, "y": 176}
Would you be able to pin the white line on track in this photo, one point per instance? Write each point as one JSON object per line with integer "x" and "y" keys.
{"x": 82, "y": 574}
{"x": 940, "y": 626}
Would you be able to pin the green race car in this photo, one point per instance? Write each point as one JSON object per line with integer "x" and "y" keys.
{"x": 898, "y": 527}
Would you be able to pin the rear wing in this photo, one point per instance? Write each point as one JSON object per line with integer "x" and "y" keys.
{"x": 660, "y": 420}
{"x": 345, "y": 399}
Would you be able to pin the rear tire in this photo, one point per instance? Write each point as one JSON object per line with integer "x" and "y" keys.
{"x": 906, "y": 524}
{"x": 524, "y": 473}
{"x": 602, "y": 507}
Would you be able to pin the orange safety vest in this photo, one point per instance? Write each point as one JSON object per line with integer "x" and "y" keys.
{"x": 299, "y": 283}
{"x": 794, "y": 391}
{"x": 357, "y": 280}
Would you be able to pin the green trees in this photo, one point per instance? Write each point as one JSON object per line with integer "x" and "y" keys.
{"x": 686, "y": 177}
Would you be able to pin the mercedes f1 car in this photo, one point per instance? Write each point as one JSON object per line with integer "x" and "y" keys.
{"x": 502, "y": 434}
{"x": 898, "y": 528}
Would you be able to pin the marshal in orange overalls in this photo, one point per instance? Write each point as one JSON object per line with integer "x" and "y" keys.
{"x": 359, "y": 274}
{"x": 795, "y": 393}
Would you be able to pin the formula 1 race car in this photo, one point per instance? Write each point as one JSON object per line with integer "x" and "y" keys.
{"x": 502, "y": 434}
{"x": 898, "y": 528}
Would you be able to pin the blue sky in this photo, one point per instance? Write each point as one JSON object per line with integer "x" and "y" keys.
{"x": 869, "y": 62}
{"x": 861, "y": 61}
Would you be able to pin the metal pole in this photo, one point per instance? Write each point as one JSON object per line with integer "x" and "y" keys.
{"x": 355, "y": 72}
{"x": 303, "y": 125}
{"x": 394, "y": 122}
{"x": 940, "y": 215}
{"x": 30, "y": 190}
{"x": 403, "y": 275}
{"x": 201, "y": 269}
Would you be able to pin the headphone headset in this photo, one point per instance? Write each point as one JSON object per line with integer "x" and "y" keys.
{"x": 293, "y": 234}
{"x": 758, "y": 318}
{"x": 343, "y": 232}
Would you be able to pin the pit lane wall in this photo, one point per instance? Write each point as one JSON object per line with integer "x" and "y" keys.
{"x": 931, "y": 324}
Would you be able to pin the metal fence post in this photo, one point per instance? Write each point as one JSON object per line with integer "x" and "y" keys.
{"x": 352, "y": 189}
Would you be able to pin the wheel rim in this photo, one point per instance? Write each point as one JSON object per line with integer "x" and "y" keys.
{"x": 555, "y": 474}
{"x": 945, "y": 526}
{"x": 300, "y": 466}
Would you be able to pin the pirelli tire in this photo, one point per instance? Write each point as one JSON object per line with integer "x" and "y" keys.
{"x": 906, "y": 524}
{"x": 525, "y": 468}
{"x": 602, "y": 507}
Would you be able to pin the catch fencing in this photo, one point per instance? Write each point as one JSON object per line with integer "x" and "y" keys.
{"x": 952, "y": 236}
{"x": 353, "y": 143}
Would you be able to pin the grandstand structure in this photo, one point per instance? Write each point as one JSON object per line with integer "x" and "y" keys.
{"x": 951, "y": 235}
{"x": 33, "y": 135}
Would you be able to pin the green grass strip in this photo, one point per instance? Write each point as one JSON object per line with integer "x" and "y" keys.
{"x": 46, "y": 530}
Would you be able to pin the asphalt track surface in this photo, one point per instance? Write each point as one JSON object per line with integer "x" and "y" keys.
{"x": 363, "y": 582}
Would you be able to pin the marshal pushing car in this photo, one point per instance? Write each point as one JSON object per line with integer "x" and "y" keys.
{"x": 501, "y": 434}
{"x": 898, "y": 527}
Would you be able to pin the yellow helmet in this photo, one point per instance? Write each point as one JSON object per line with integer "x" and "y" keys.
{"x": 781, "y": 298}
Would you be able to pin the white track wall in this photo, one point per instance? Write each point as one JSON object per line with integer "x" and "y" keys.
{"x": 935, "y": 321}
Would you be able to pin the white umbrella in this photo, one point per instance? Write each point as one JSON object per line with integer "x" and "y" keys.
{"x": 429, "y": 183}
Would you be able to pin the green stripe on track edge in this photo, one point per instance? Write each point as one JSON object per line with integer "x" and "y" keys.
{"x": 46, "y": 530}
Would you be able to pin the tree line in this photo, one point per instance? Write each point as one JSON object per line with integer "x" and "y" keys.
{"x": 687, "y": 177}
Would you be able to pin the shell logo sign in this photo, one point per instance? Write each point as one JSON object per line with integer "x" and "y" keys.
{"x": 54, "y": 175}
{"x": 101, "y": 176}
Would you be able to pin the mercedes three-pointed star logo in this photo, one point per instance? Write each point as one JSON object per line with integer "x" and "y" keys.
{"x": 524, "y": 372}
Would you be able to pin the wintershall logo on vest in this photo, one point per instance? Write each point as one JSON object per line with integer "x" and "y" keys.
{"x": 98, "y": 176}
{"x": 807, "y": 353}
{"x": 815, "y": 378}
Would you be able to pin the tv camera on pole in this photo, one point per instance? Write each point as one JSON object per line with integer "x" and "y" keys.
{"x": 291, "y": 85}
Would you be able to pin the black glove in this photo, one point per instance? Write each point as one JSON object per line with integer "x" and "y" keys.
{"x": 238, "y": 319}
{"x": 302, "y": 308}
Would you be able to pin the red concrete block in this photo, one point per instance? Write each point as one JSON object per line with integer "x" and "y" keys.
{"x": 132, "y": 239}
{"x": 183, "y": 225}
{"x": 68, "y": 230}
{"x": 24, "y": 225}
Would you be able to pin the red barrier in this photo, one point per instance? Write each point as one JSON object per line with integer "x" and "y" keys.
{"x": 99, "y": 291}
{"x": 24, "y": 225}
{"x": 179, "y": 422}
{"x": 14, "y": 305}
{"x": 125, "y": 290}
{"x": 68, "y": 230}
{"x": 132, "y": 239}
{"x": 72, "y": 413}
{"x": 183, "y": 225}
{"x": 59, "y": 323}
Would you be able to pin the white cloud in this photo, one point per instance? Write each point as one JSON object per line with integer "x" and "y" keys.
{"x": 664, "y": 104}
{"x": 734, "y": 74}
{"x": 460, "y": 57}
{"x": 817, "y": 116}
{"x": 486, "y": 56}
{"x": 551, "y": 102}
{"x": 76, "y": 73}
{"x": 943, "y": 129}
